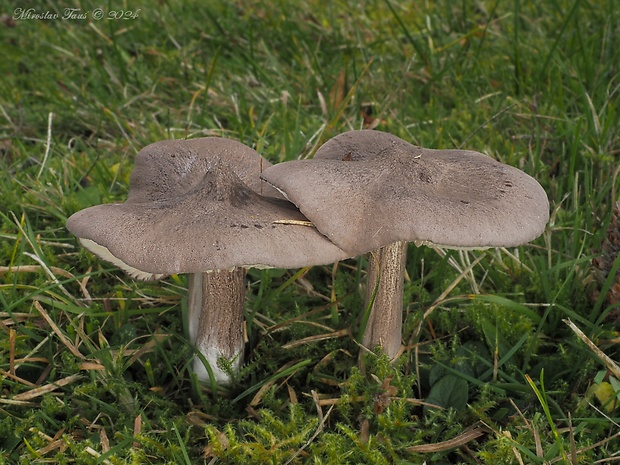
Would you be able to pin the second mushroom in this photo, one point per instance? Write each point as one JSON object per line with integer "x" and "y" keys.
{"x": 371, "y": 191}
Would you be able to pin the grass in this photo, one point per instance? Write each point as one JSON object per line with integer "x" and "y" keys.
{"x": 94, "y": 368}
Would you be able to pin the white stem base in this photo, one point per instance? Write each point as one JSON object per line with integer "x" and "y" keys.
{"x": 221, "y": 377}
{"x": 216, "y": 303}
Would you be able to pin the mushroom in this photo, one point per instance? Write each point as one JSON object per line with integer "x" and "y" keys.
{"x": 368, "y": 190}
{"x": 195, "y": 206}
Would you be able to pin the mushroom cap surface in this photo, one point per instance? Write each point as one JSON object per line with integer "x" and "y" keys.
{"x": 166, "y": 168}
{"x": 189, "y": 210}
{"x": 367, "y": 189}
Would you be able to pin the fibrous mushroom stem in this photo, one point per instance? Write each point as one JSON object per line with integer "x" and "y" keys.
{"x": 216, "y": 303}
{"x": 386, "y": 271}
{"x": 194, "y": 304}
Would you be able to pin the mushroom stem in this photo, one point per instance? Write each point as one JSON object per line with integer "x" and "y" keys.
{"x": 386, "y": 272}
{"x": 216, "y": 303}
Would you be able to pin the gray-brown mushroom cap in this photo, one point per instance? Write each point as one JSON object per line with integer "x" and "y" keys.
{"x": 166, "y": 168}
{"x": 196, "y": 216}
{"x": 367, "y": 189}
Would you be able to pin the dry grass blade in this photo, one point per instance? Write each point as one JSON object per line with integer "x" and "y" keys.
{"x": 20, "y": 403}
{"x": 294, "y": 222}
{"x": 522, "y": 265}
{"x": 339, "y": 90}
{"x": 12, "y": 337}
{"x": 57, "y": 444}
{"x": 74, "y": 350}
{"x": 54, "y": 443}
{"x": 17, "y": 378}
{"x": 37, "y": 392}
{"x": 54, "y": 279}
{"x": 594, "y": 446}
{"x": 319, "y": 430}
{"x": 258, "y": 397}
{"x": 316, "y": 400}
{"x": 292, "y": 395}
{"x": 300, "y": 318}
{"x": 89, "y": 450}
{"x": 12, "y": 318}
{"x": 48, "y": 143}
{"x": 33, "y": 269}
{"x": 91, "y": 366}
{"x": 336, "y": 400}
{"x": 103, "y": 439}
{"x": 209, "y": 452}
{"x": 515, "y": 451}
{"x": 137, "y": 430}
{"x": 608, "y": 362}
{"x": 535, "y": 434}
{"x": 507, "y": 434}
{"x": 460, "y": 440}
{"x": 318, "y": 337}
{"x": 146, "y": 348}
{"x": 445, "y": 293}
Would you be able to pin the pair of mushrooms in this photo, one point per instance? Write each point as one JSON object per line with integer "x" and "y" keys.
{"x": 202, "y": 206}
